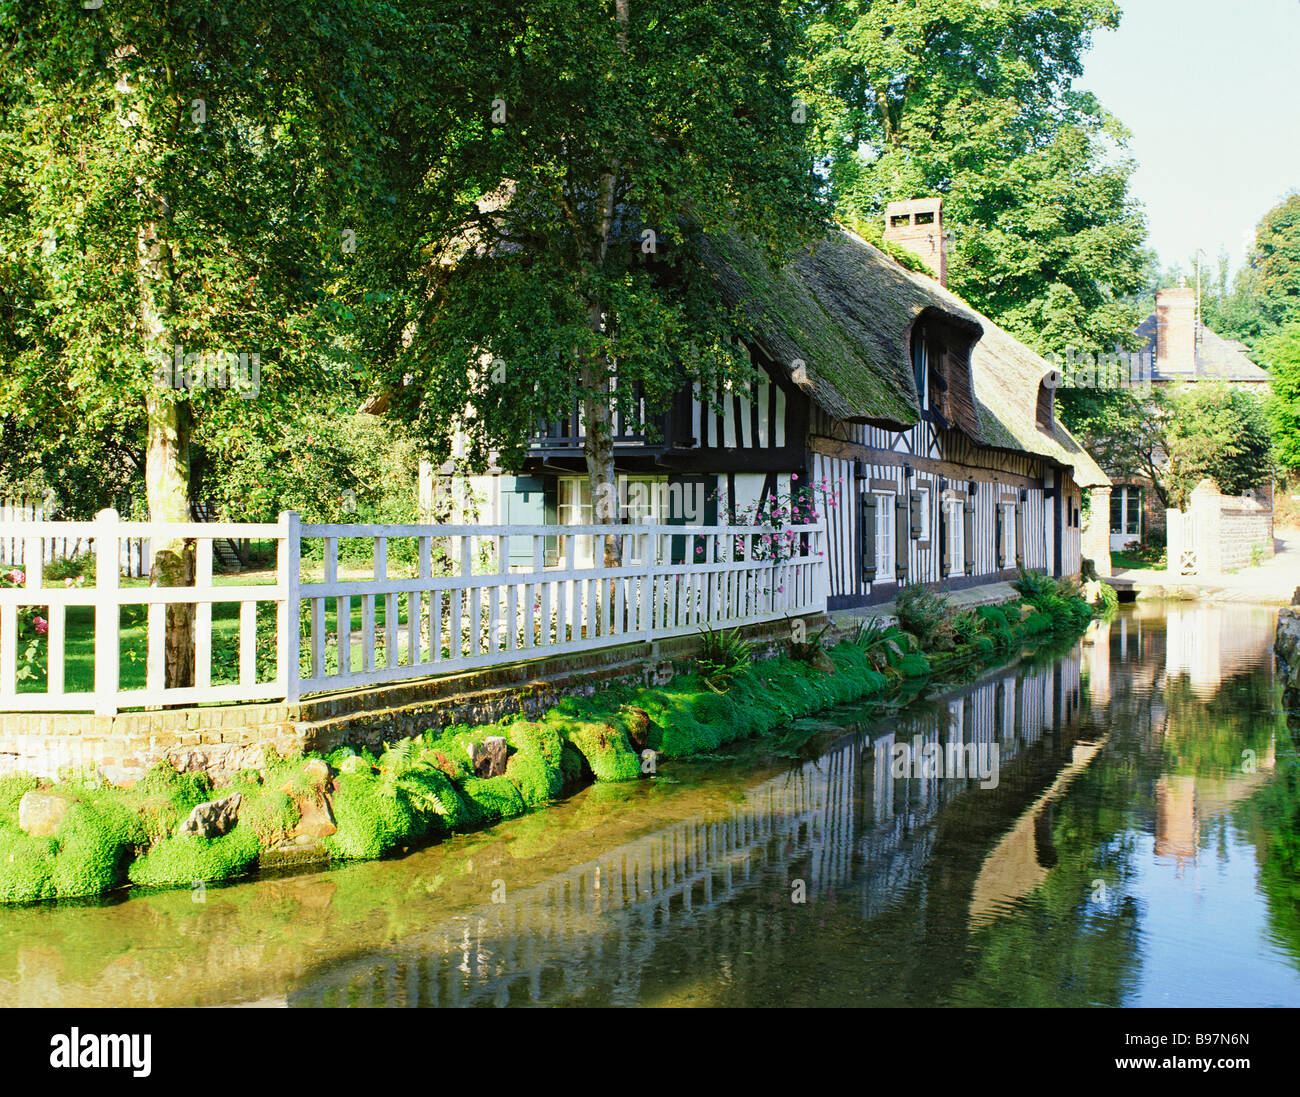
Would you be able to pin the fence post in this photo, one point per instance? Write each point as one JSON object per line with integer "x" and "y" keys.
{"x": 648, "y": 577}
{"x": 821, "y": 567}
{"x": 288, "y": 626}
{"x": 107, "y": 613}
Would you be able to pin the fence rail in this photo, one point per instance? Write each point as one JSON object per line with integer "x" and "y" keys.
{"x": 361, "y": 605}
{"x": 16, "y": 516}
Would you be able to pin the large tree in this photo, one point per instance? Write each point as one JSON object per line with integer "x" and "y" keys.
{"x": 185, "y": 187}
{"x": 1216, "y": 431}
{"x": 1280, "y": 352}
{"x": 613, "y": 138}
{"x": 974, "y": 101}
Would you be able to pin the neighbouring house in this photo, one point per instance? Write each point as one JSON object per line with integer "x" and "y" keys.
{"x": 925, "y": 432}
{"x": 1177, "y": 349}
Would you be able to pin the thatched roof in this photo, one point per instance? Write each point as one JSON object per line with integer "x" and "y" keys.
{"x": 846, "y": 310}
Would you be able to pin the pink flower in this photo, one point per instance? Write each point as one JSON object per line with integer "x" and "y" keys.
{"x": 794, "y": 476}
{"x": 16, "y": 576}
{"x": 42, "y": 625}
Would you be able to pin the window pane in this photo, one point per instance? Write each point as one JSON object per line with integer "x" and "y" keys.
{"x": 1117, "y": 511}
{"x": 1134, "y": 497}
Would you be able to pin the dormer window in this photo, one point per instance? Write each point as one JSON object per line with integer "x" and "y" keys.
{"x": 1046, "y": 399}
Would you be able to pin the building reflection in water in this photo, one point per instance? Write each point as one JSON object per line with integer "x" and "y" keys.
{"x": 841, "y": 824}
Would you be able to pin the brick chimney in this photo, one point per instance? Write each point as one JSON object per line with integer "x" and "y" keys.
{"x": 918, "y": 226}
{"x": 1176, "y": 330}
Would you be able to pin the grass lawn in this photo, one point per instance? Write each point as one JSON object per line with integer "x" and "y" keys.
{"x": 1129, "y": 560}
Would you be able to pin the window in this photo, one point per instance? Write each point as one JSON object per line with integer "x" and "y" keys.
{"x": 639, "y": 497}
{"x": 924, "y": 524}
{"x": 954, "y": 521}
{"x": 884, "y": 537}
{"x": 1007, "y": 551}
{"x": 1126, "y": 512}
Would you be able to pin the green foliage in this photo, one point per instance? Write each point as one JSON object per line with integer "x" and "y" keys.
{"x": 93, "y": 852}
{"x": 884, "y": 645}
{"x": 371, "y": 819}
{"x": 1275, "y": 262}
{"x": 1216, "y": 431}
{"x": 722, "y": 656}
{"x": 677, "y": 122}
{"x": 70, "y": 567}
{"x": 1107, "y": 604}
{"x": 926, "y": 615}
{"x": 974, "y": 101}
{"x": 26, "y": 866}
{"x": 1058, "y": 604}
{"x": 187, "y": 859}
{"x": 914, "y": 665}
{"x": 603, "y": 743}
{"x": 495, "y": 797}
{"x": 534, "y": 765}
{"x": 329, "y": 467}
{"x": 159, "y": 123}
{"x": 268, "y": 812}
{"x": 1123, "y": 428}
{"x": 1281, "y": 353}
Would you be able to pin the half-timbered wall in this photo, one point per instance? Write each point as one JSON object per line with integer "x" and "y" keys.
{"x": 1011, "y": 500}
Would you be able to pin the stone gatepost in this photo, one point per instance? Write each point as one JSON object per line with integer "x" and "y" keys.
{"x": 1095, "y": 538}
{"x": 1204, "y": 527}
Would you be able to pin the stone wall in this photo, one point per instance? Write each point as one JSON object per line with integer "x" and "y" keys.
{"x": 1220, "y": 533}
{"x": 224, "y": 739}
{"x": 1245, "y": 531}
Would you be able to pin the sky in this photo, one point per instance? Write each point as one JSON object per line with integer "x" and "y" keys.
{"x": 1209, "y": 91}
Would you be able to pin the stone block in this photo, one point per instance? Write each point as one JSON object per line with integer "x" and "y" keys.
{"x": 40, "y": 813}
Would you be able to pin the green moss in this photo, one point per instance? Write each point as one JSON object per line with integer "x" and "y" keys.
{"x": 435, "y": 804}
{"x": 12, "y": 789}
{"x": 534, "y": 765}
{"x": 270, "y": 813}
{"x": 372, "y": 816}
{"x": 188, "y": 859}
{"x": 94, "y": 849}
{"x": 26, "y": 866}
{"x": 495, "y": 797}
{"x": 603, "y": 743}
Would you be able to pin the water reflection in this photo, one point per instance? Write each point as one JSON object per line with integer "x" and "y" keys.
{"x": 1139, "y": 844}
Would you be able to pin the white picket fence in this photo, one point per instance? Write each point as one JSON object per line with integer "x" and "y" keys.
{"x": 133, "y": 552}
{"x": 462, "y": 606}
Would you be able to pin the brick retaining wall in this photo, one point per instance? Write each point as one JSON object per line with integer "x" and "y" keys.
{"x": 223, "y": 740}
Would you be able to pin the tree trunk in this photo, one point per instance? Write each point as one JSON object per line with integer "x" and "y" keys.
{"x": 169, "y": 419}
{"x": 598, "y": 445}
{"x": 598, "y": 433}
{"x": 167, "y": 483}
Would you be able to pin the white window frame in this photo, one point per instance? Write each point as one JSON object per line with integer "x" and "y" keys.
{"x": 1009, "y": 533}
{"x": 926, "y": 498}
{"x": 956, "y": 507}
{"x": 1126, "y": 492}
{"x": 885, "y": 536}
